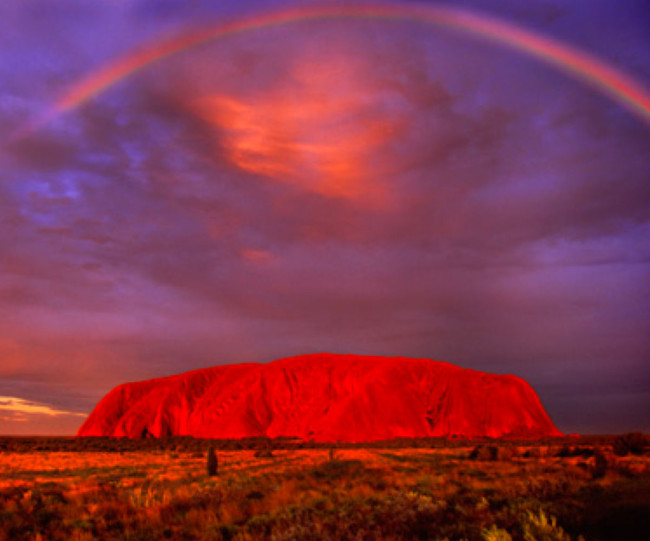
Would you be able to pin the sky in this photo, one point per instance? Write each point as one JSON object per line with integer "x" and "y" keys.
{"x": 368, "y": 186}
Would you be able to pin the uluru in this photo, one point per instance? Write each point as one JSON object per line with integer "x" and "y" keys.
{"x": 324, "y": 397}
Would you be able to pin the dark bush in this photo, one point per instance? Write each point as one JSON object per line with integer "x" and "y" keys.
{"x": 616, "y": 512}
{"x": 633, "y": 443}
{"x": 485, "y": 452}
{"x": 336, "y": 469}
{"x": 600, "y": 465}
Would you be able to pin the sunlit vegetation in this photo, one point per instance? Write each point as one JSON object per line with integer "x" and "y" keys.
{"x": 551, "y": 490}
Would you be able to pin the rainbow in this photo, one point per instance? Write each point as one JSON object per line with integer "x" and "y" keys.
{"x": 591, "y": 70}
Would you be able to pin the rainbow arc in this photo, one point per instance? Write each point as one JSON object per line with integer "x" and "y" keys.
{"x": 579, "y": 64}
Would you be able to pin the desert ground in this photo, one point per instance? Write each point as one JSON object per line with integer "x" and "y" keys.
{"x": 592, "y": 488}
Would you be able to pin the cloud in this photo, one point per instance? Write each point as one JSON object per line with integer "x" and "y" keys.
{"x": 21, "y": 409}
{"x": 318, "y": 129}
{"x": 21, "y": 417}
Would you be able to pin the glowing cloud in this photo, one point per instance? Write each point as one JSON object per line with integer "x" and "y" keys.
{"x": 19, "y": 408}
{"x": 319, "y": 130}
{"x": 573, "y": 61}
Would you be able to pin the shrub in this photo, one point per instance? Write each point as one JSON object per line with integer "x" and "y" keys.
{"x": 495, "y": 534}
{"x": 337, "y": 469}
{"x": 539, "y": 527}
{"x": 600, "y": 465}
{"x": 485, "y": 452}
{"x": 617, "y": 511}
{"x": 634, "y": 443}
{"x": 532, "y": 452}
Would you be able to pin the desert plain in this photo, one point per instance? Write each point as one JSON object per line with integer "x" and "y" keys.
{"x": 568, "y": 488}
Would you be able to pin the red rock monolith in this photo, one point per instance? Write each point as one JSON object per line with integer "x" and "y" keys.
{"x": 324, "y": 397}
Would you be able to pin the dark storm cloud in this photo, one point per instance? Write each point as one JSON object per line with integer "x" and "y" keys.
{"x": 508, "y": 230}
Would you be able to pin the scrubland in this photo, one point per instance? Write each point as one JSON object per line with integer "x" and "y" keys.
{"x": 594, "y": 488}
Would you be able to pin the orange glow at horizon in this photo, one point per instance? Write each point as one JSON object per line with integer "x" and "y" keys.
{"x": 321, "y": 131}
{"x": 20, "y": 408}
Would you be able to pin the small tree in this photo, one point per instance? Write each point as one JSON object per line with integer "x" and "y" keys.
{"x": 634, "y": 443}
{"x": 213, "y": 463}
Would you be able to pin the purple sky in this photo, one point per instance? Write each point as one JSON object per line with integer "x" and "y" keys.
{"x": 354, "y": 187}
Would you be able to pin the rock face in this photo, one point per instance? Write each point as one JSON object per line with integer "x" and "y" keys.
{"x": 324, "y": 397}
